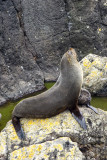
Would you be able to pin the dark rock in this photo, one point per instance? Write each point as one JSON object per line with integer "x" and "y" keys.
{"x": 87, "y": 26}
{"x": 46, "y": 28}
{"x": 19, "y": 73}
{"x": 34, "y": 34}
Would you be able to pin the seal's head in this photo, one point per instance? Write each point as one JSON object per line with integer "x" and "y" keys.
{"x": 71, "y": 55}
{"x": 68, "y": 60}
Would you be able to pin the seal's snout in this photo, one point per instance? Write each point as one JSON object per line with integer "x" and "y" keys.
{"x": 72, "y": 53}
{"x": 69, "y": 52}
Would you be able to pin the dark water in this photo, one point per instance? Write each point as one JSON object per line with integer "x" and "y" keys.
{"x": 6, "y": 110}
{"x": 99, "y": 102}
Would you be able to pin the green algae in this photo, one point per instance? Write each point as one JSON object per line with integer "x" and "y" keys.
{"x": 99, "y": 102}
{"x": 6, "y": 110}
{"x": 49, "y": 84}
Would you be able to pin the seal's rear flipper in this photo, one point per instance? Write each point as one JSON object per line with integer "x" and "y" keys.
{"x": 18, "y": 128}
{"x": 79, "y": 118}
{"x": 93, "y": 108}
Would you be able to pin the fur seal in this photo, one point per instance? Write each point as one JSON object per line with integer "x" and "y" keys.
{"x": 85, "y": 99}
{"x": 63, "y": 95}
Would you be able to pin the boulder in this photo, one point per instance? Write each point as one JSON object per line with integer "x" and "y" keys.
{"x": 61, "y": 148}
{"x": 59, "y": 137}
{"x": 95, "y": 74}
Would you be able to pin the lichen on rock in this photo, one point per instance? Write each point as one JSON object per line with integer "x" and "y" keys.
{"x": 61, "y": 148}
{"x": 59, "y": 136}
{"x": 95, "y": 74}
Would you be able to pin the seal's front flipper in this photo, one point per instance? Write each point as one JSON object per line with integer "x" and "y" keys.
{"x": 93, "y": 108}
{"x": 18, "y": 128}
{"x": 79, "y": 118}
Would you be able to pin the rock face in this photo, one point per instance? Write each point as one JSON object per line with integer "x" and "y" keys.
{"x": 19, "y": 73}
{"x": 46, "y": 28}
{"x": 87, "y": 22}
{"x": 34, "y": 34}
{"x": 95, "y": 74}
{"x": 57, "y": 137}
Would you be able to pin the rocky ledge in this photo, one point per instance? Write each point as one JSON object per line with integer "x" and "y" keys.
{"x": 59, "y": 137}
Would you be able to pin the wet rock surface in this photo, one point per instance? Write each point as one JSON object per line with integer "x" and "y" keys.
{"x": 59, "y": 136}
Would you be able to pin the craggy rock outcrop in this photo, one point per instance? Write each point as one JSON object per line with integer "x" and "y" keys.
{"x": 34, "y": 34}
{"x": 95, "y": 74}
{"x": 19, "y": 73}
{"x": 88, "y": 26}
{"x": 59, "y": 136}
{"x": 46, "y": 27}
